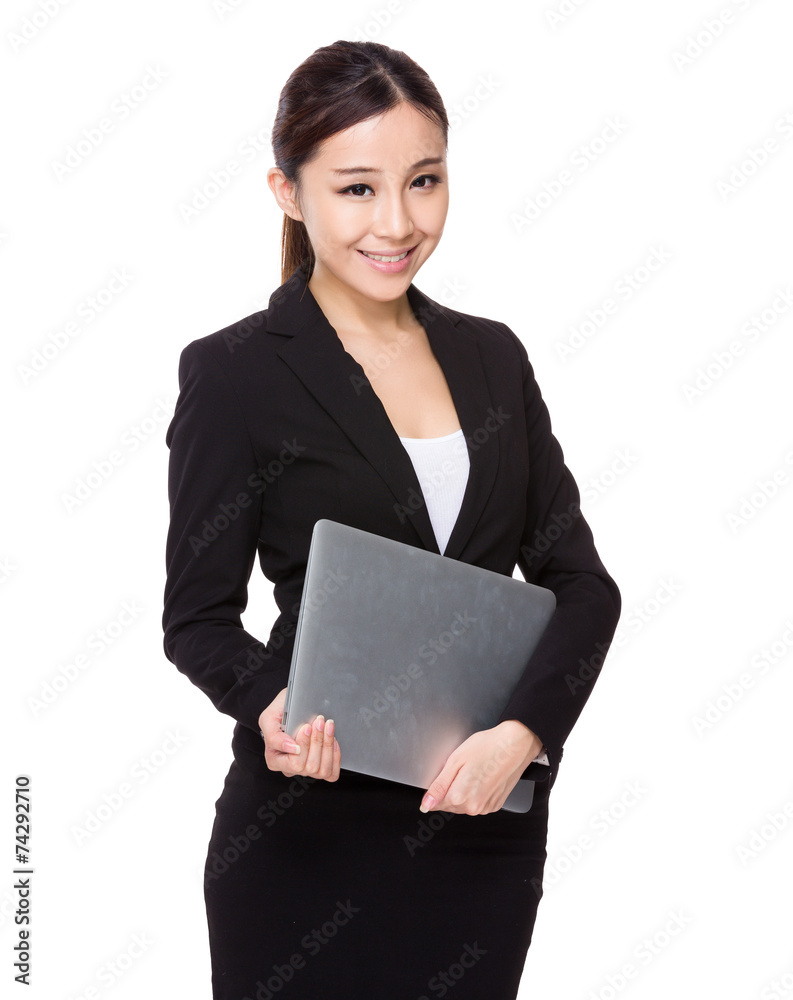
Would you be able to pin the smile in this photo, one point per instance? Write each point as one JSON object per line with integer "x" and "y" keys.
{"x": 387, "y": 260}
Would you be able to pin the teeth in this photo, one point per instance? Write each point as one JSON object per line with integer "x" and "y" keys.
{"x": 388, "y": 260}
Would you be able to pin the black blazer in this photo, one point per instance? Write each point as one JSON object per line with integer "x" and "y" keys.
{"x": 276, "y": 426}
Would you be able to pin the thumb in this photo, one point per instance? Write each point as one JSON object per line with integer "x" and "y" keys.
{"x": 283, "y": 742}
{"x": 437, "y": 790}
{"x": 275, "y": 737}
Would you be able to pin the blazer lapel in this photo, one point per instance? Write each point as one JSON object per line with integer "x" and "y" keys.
{"x": 317, "y": 356}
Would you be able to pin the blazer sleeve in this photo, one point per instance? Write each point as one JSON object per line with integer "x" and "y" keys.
{"x": 212, "y": 544}
{"x": 558, "y": 552}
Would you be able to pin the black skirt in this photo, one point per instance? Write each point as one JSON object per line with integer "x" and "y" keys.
{"x": 345, "y": 890}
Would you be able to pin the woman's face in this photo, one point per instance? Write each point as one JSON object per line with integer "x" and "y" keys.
{"x": 381, "y": 187}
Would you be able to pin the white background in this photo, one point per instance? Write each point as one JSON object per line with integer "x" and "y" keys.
{"x": 654, "y": 814}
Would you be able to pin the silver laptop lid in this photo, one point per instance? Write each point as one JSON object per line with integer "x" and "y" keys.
{"x": 408, "y": 651}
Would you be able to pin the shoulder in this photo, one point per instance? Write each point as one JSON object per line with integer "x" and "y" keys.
{"x": 223, "y": 347}
{"x": 227, "y": 361}
{"x": 494, "y": 337}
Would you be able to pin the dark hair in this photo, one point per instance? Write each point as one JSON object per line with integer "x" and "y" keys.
{"x": 338, "y": 86}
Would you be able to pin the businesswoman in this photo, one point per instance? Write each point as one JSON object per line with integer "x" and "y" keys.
{"x": 356, "y": 397}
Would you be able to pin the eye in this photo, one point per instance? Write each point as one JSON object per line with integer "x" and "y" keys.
{"x": 428, "y": 177}
{"x": 357, "y": 190}
{"x": 352, "y": 187}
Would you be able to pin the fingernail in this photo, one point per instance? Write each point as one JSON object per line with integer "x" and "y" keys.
{"x": 292, "y": 747}
{"x": 307, "y": 730}
{"x": 427, "y": 804}
{"x": 329, "y": 727}
{"x": 321, "y": 723}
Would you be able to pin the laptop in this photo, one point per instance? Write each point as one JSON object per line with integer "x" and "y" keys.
{"x": 409, "y": 652}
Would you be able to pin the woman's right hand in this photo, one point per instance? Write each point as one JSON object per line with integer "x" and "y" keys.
{"x": 314, "y": 753}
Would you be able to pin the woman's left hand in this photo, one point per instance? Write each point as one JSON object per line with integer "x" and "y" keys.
{"x": 479, "y": 775}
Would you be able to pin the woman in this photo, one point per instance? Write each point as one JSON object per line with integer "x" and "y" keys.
{"x": 355, "y": 397}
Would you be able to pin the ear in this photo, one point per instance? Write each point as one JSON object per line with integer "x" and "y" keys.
{"x": 284, "y": 193}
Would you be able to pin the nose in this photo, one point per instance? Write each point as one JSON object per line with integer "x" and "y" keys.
{"x": 392, "y": 219}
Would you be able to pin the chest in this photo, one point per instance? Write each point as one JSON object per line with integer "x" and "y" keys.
{"x": 409, "y": 382}
{"x": 325, "y": 423}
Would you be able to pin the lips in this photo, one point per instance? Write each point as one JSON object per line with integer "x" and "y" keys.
{"x": 387, "y": 258}
{"x": 403, "y": 262}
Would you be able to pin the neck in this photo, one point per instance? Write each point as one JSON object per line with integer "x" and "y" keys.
{"x": 350, "y": 310}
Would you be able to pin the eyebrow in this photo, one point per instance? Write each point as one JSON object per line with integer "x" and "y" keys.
{"x": 428, "y": 161}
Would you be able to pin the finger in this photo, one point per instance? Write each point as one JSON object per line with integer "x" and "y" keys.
{"x": 303, "y": 740}
{"x": 336, "y": 760}
{"x": 282, "y": 741}
{"x": 314, "y": 760}
{"x": 435, "y": 796}
{"x": 292, "y": 763}
{"x": 326, "y": 766}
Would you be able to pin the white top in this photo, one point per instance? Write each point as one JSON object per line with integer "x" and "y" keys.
{"x": 442, "y": 466}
